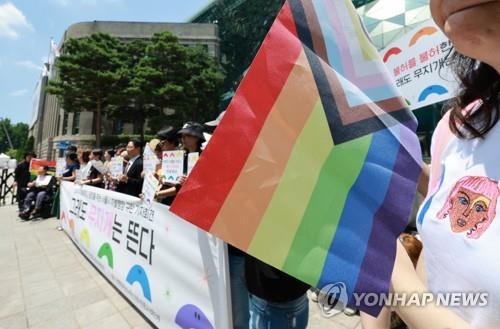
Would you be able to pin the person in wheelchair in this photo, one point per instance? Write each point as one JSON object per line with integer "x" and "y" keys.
{"x": 39, "y": 191}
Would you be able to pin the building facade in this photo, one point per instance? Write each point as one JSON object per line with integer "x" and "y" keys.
{"x": 54, "y": 127}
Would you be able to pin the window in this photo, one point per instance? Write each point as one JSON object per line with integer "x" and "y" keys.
{"x": 76, "y": 124}
{"x": 65, "y": 123}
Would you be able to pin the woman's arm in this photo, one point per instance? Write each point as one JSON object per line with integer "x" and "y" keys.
{"x": 423, "y": 182}
{"x": 70, "y": 178}
{"x": 430, "y": 316}
{"x": 406, "y": 280}
{"x": 171, "y": 191}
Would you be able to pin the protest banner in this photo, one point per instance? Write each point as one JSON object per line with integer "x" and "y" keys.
{"x": 149, "y": 160}
{"x": 60, "y": 166}
{"x": 172, "y": 166}
{"x": 322, "y": 212}
{"x": 173, "y": 273}
{"x": 192, "y": 159}
{"x": 36, "y": 164}
{"x": 419, "y": 65}
{"x": 116, "y": 167}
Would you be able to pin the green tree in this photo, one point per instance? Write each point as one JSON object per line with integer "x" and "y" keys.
{"x": 161, "y": 75}
{"x": 18, "y": 134}
{"x": 164, "y": 75}
{"x": 204, "y": 86}
{"x": 89, "y": 71}
{"x": 131, "y": 103}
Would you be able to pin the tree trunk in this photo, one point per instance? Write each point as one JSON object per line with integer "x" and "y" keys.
{"x": 98, "y": 118}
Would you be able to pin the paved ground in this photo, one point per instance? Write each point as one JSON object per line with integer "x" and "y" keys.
{"x": 46, "y": 283}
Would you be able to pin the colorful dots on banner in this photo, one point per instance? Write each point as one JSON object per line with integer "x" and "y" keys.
{"x": 425, "y": 31}
{"x": 191, "y": 317}
{"x": 432, "y": 90}
{"x": 85, "y": 238}
{"x": 106, "y": 251}
{"x": 137, "y": 274}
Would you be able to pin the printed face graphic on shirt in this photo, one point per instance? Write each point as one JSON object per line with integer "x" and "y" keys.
{"x": 468, "y": 211}
{"x": 471, "y": 206}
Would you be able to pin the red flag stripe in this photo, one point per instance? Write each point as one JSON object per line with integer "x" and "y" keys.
{"x": 249, "y": 108}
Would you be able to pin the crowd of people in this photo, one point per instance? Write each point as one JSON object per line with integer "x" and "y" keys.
{"x": 257, "y": 289}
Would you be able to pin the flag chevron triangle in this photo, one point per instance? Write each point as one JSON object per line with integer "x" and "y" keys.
{"x": 324, "y": 155}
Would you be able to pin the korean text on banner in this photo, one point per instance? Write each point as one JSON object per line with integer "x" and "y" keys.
{"x": 175, "y": 274}
{"x": 419, "y": 64}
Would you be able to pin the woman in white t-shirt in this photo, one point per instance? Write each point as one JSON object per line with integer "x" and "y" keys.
{"x": 459, "y": 221}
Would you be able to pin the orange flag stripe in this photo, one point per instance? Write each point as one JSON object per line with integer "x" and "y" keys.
{"x": 253, "y": 190}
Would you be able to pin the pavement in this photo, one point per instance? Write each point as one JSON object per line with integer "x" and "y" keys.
{"x": 45, "y": 282}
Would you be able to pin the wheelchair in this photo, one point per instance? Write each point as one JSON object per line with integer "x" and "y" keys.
{"x": 48, "y": 202}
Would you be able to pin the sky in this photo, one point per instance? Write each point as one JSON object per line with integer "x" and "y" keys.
{"x": 27, "y": 26}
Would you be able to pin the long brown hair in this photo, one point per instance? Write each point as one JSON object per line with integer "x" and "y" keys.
{"x": 478, "y": 80}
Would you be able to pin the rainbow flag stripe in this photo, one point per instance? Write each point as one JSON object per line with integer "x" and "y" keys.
{"x": 314, "y": 166}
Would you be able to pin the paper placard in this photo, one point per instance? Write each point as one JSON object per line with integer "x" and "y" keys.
{"x": 60, "y": 166}
{"x": 149, "y": 188}
{"x": 192, "y": 159}
{"x": 99, "y": 166}
{"x": 116, "y": 167}
{"x": 172, "y": 166}
{"x": 78, "y": 176}
{"x": 150, "y": 160}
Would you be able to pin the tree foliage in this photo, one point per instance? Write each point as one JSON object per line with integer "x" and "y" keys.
{"x": 138, "y": 81}
{"x": 18, "y": 134}
{"x": 88, "y": 74}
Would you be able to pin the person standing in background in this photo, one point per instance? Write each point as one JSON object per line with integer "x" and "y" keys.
{"x": 131, "y": 181}
{"x": 95, "y": 178}
{"x": 22, "y": 177}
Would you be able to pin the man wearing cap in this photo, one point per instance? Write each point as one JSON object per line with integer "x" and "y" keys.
{"x": 169, "y": 140}
{"x": 192, "y": 139}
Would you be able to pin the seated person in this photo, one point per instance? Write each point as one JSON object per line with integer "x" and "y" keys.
{"x": 38, "y": 189}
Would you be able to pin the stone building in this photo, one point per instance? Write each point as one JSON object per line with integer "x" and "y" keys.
{"x": 53, "y": 127}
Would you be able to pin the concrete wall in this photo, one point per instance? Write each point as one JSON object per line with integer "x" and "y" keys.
{"x": 188, "y": 33}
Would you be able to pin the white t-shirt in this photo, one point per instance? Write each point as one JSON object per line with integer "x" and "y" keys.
{"x": 459, "y": 222}
{"x": 42, "y": 181}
